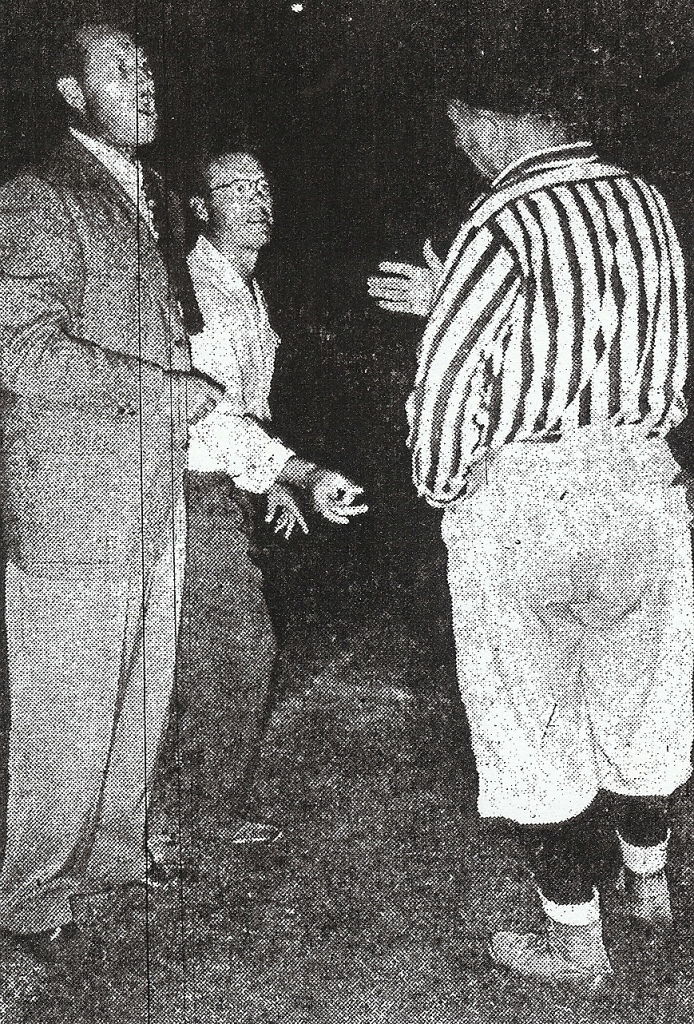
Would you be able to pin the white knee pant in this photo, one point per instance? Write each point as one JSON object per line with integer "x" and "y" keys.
{"x": 571, "y": 583}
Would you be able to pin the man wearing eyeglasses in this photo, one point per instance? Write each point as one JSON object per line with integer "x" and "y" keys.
{"x": 237, "y": 349}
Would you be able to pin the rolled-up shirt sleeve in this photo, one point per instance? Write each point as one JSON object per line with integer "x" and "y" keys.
{"x": 238, "y": 445}
{"x": 235, "y": 438}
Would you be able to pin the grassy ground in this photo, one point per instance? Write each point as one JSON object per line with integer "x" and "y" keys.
{"x": 377, "y": 904}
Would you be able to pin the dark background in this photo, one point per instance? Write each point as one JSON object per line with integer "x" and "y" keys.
{"x": 346, "y": 98}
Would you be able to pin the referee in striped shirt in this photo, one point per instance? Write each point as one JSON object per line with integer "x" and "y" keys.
{"x": 551, "y": 368}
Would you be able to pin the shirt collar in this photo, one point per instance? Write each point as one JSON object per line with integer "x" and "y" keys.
{"x": 544, "y": 159}
{"x": 123, "y": 170}
{"x": 541, "y": 160}
{"x": 217, "y": 262}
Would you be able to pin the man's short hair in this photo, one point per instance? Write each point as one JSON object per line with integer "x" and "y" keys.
{"x": 71, "y": 54}
{"x": 237, "y": 143}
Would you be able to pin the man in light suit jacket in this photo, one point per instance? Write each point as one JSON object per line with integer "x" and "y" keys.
{"x": 97, "y": 394}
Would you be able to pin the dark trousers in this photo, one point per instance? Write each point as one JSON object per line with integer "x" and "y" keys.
{"x": 564, "y": 858}
{"x": 232, "y": 642}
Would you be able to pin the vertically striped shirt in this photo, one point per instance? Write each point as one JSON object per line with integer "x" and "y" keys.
{"x": 561, "y": 304}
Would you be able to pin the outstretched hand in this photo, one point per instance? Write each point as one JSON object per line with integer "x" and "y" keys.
{"x": 283, "y": 511}
{"x": 332, "y": 495}
{"x": 406, "y": 287}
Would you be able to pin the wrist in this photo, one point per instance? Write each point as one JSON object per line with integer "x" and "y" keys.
{"x": 299, "y": 473}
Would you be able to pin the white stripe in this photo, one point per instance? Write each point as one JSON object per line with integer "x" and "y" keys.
{"x": 607, "y": 318}
{"x": 591, "y": 296}
{"x": 456, "y": 335}
{"x": 627, "y": 332}
{"x": 467, "y": 315}
{"x": 513, "y": 375}
{"x": 662, "y": 339}
{"x": 475, "y": 423}
{"x": 479, "y": 243}
{"x": 650, "y": 267}
{"x": 681, "y": 339}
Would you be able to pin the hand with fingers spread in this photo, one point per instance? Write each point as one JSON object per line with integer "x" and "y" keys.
{"x": 283, "y": 511}
{"x": 406, "y": 287}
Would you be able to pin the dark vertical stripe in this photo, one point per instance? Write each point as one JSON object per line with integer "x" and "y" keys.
{"x": 454, "y": 466}
{"x": 497, "y": 389}
{"x": 611, "y": 281}
{"x": 527, "y": 356}
{"x": 599, "y": 273}
{"x": 670, "y": 241}
{"x": 493, "y": 396}
{"x": 629, "y": 207}
{"x": 578, "y": 311}
{"x": 456, "y": 364}
{"x": 584, "y": 405}
{"x": 461, "y": 298}
{"x": 647, "y": 375}
{"x": 615, "y": 354}
{"x": 546, "y": 283}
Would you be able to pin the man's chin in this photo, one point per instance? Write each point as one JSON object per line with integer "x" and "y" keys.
{"x": 262, "y": 234}
{"x": 146, "y": 131}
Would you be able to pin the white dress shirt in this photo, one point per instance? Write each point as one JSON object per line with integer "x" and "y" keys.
{"x": 236, "y": 348}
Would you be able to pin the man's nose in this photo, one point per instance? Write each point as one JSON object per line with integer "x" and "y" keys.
{"x": 261, "y": 206}
{"x": 144, "y": 78}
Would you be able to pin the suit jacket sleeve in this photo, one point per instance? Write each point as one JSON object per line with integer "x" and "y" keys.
{"x": 42, "y": 277}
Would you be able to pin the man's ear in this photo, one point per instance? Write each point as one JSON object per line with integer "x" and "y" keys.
{"x": 72, "y": 92}
{"x": 493, "y": 120}
{"x": 200, "y": 209}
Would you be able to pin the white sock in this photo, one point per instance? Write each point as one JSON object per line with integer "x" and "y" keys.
{"x": 572, "y": 913}
{"x": 644, "y": 860}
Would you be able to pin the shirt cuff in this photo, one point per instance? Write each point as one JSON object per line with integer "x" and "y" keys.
{"x": 262, "y": 468}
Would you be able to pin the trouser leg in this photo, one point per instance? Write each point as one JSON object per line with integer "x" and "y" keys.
{"x": 64, "y": 637}
{"x": 142, "y": 714}
{"x": 233, "y": 648}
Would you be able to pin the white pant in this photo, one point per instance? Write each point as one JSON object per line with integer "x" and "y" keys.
{"x": 571, "y": 584}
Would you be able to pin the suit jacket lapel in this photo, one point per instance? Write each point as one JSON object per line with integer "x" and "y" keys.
{"x": 71, "y": 164}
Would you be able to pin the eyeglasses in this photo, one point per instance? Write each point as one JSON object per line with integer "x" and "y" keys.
{"x": 243, "y": 189}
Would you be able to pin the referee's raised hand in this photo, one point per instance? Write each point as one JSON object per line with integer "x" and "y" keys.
{"x": 406, "y": 287}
